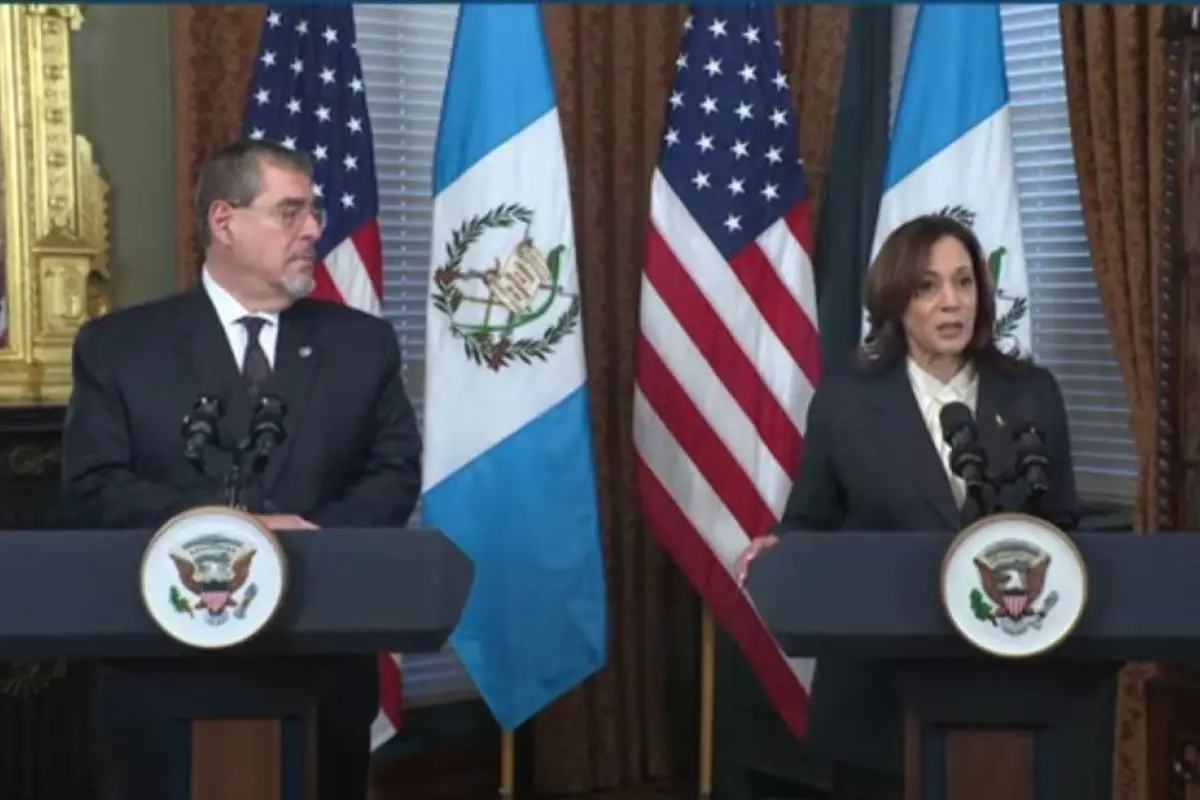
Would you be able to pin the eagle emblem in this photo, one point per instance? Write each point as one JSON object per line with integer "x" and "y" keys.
{"x": 1012, "y": 580}
{"x": 213, "y": 569}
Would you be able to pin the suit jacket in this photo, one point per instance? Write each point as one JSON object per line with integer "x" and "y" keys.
{"x": 351, "y": 457}
{"x": 870, "y": 464}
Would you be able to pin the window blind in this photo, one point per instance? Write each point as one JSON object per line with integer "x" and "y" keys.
{"x": 1070, "y": 334}
{"x": 405, "y": 52}
{"x": 903, "y": 17}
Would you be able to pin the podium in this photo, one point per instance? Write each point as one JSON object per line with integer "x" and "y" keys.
{"x": 975, "y": 724}
{"x": 75, "y": 595}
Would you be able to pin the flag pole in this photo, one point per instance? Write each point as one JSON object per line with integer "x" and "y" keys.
{"x": 507, "y": 765}
{"x": 707, "y": 691}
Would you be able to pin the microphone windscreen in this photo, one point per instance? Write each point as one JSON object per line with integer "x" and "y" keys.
{"x": 271, "y": 404}
{"x": 210, "y": 404}
{"x": 955, "y": 416}
{"x": 1028, "y": 435}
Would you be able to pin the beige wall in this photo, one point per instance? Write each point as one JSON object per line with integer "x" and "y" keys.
{"x": 122, "y": 76}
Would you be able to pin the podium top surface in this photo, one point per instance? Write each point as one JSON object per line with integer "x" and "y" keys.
{"x": 876, "y": 595}
{"x": 76, "y": 594}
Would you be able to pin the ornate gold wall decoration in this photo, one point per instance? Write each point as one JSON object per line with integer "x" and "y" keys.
{"x": 54, "y": 241}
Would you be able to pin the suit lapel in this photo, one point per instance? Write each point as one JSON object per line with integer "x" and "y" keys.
{"x": 297, "y": 358}
{"x": 900, "y": 429}
{"x": 992, "y": 407}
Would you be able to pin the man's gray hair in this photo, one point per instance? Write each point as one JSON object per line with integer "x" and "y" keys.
{"x": 232, "y": 174}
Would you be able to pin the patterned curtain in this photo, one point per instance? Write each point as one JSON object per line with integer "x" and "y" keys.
{"x": 1115, "y": 70}
{"x": 212, "y": 55}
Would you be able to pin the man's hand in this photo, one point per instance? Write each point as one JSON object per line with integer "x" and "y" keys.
{"x": 286, "y": 522}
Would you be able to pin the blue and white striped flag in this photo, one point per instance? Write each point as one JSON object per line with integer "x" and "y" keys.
{"x": 952, "y": 148}
{"x": 508, "y": 473}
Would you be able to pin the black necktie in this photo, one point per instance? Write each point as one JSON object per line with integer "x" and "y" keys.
{"x": 256, "y": 369}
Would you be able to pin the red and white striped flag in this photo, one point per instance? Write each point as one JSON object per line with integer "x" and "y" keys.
{"x": 728, "y": 354}
{"x": 307, "y": 94}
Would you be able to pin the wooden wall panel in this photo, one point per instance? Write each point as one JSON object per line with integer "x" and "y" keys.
{"x": 465, "y": 771}
{"x": 1173, "y": 694}
{"x": 46, "y": 748}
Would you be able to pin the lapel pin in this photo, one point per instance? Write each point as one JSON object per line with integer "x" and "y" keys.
{"x": 306, "y": 351}
{"x": 1000, "y": 420}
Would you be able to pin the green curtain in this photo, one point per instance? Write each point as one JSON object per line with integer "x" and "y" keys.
{"x": 854, "y": 183}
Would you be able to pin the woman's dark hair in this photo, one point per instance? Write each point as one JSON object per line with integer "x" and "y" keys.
{"x": 895, "y": 277}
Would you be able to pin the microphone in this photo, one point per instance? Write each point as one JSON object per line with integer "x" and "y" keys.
{"x": 967, "y": 459}
{"x": 266, "y": 429}
{"x": 200, "y": 429}
{"x": 1032, "y": 461}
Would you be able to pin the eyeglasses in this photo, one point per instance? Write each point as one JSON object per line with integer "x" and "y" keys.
{"x": 291, "y": 214}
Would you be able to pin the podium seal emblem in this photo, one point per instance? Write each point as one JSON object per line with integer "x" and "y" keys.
{"x": 1013, "y": 585}
{"x": 213, "y": 577}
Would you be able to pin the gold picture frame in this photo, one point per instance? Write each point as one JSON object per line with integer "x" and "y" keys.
{"x": 54, "y": 241}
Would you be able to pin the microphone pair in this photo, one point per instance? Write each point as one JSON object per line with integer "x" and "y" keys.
{"x": 201, "y": 428}
{"x": 969, "y": 461}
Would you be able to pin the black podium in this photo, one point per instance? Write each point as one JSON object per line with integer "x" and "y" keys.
{"x": 975, "y": 724}
{"x": 75, "y": 595}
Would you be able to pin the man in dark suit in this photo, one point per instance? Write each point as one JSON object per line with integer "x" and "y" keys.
{"x": 351, "y": 457}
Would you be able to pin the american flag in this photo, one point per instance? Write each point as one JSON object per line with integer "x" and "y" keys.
{"x": 728, "y": 351}
{"x": 307, "y": 94}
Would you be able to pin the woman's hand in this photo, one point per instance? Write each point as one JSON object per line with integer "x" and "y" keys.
{"x": 741, "y": 567}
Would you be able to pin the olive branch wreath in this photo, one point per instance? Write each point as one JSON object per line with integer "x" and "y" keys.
{"x": 980, "y": 608}
{"x": 481, "y": 347}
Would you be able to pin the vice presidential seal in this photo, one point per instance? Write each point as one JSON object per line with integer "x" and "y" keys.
{"x": 213, "y": 577}
{"x": 1013, "y": 585}
{"x": 518, "y": 307}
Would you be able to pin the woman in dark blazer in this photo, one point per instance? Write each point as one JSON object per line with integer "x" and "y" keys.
{"x": 874, "y": 460}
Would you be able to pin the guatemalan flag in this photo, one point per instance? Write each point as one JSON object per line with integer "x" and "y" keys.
{"x": 508, "y": 471}
{"x": 952, "y": 149}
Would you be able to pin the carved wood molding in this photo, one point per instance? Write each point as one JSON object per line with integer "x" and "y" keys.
{"x": 1172, "y": 695}
{"x": 55, "y": 215}
{"x": 1177, "y": 370}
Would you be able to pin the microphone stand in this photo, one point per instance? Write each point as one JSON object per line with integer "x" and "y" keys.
{"x": 975, "y": 495}
{"x": 238, "y": 477}
{"x": 266, "y": 433}
{"x": 235, "y": 476}
{"x": 996, "y": 484}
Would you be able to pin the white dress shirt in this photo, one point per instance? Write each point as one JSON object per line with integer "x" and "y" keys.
{"x": 932, "y": 395}
{"x": 229, "y": 311}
